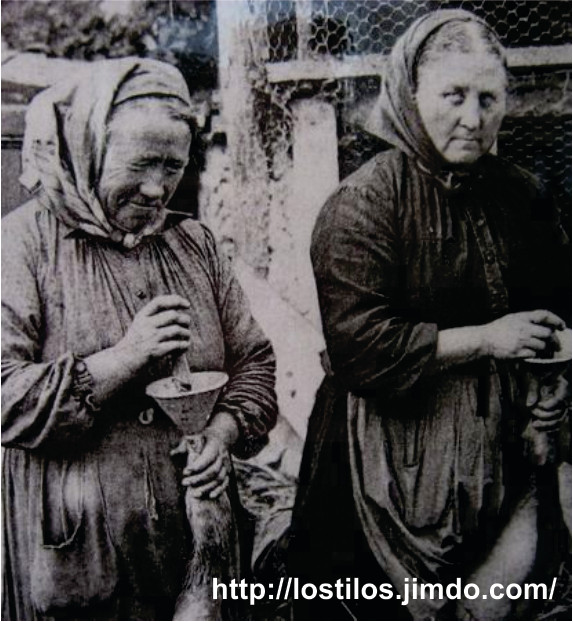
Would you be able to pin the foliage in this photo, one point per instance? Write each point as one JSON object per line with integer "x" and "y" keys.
{"x": 179, "y": 31}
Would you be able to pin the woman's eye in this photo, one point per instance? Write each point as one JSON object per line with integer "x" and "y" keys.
{"x": 454, "y": 97}
{"x": 486, "y": 100}
{"x": 173, "y": 170}
{"x": 137, "y": 166}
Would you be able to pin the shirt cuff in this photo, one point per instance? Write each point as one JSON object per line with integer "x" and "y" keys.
{"x": 83, "y": 385}
{"x": 253, "y": 435}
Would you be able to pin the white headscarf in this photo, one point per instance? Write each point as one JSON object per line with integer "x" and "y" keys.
{"x": 65, "y": 138}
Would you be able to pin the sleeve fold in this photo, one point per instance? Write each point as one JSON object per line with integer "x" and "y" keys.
{"x": 39, "y": 406}
{"x": 374, "y": 342}
{"x": 249, "y": 396}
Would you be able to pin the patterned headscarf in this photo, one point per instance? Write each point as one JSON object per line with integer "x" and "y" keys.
{"x": 65, "y": 138}
{"x": 395, "y": 117}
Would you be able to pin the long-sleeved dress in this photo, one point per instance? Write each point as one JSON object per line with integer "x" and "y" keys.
{"x": 407, "y": 470}
{"x": 94, "y": 515}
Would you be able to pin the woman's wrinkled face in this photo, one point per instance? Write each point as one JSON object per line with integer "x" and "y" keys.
{"x": 146, "y": 154}
{"x": 461, "y": 99}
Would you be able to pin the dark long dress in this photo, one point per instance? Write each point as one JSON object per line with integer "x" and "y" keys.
{"x": 408, "y": 471}
{"x": 94, "y": 516}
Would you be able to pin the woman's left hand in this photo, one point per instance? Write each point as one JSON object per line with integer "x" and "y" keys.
{"x": 207, "y": 473}
{"x": 548, "y": 401}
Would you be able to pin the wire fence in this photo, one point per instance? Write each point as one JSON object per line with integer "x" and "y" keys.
{"x": 348, "y": 27}
{"x": 536, "y": 133}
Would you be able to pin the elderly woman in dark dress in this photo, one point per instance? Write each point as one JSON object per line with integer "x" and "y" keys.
{"x": 102, "y": 287}
{"x": 436, "y": 272}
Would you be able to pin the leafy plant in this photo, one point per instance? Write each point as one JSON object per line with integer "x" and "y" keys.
{"x": 182, "y": 32}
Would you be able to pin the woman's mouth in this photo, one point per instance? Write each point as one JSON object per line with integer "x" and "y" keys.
{"x": 145, "y": 207}
{"x": 468, "y": 140}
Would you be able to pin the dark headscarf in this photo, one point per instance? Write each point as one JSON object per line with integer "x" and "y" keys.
{"x": 395, "y": 117}
{"x": 65, "y": 138}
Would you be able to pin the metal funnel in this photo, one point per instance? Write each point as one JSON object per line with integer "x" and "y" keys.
{"x": 188, "y": 409}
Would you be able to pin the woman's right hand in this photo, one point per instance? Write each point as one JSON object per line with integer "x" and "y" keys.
{"x": 161, "y": 327}
{"x": 520, "y": 335}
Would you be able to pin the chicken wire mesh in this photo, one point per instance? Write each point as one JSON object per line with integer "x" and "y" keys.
{"x": 346, "y": 27}
{"x": 537, "y": 130}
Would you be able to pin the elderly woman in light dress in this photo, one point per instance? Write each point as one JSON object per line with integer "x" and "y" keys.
{"x": 103, "y": 287}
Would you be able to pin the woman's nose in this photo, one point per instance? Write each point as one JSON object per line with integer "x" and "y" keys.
{"x": 471, "y": 114}
{"x": 152, "y": 187}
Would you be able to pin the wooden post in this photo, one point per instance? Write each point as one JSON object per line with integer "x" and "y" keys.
{"x": 242, "y": 53}
{"x": 314, "y": 176}
{"x": 303, "y": 29}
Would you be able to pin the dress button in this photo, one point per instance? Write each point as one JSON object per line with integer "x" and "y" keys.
{"x": 489, "y": 257}
{"x": 140, "y": 294}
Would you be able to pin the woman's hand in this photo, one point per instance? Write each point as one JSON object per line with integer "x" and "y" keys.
{"x": 520, "y": 335}
{"x": 548, "y": 399}
{"x": 207, "y": 473}
{"x": 161, "y": 327}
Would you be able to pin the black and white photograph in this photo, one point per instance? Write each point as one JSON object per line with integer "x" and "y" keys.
{"x": 286, "y": 310}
